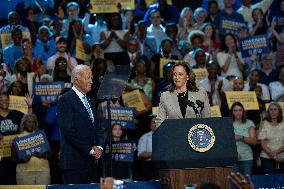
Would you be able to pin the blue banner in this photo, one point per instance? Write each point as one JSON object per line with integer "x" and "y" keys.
{"x": 47, "y": 91}
{"x": 30, "y": 144}
{"x": 231, "y": 26}
{"x": 121, "y": 115}
{"x": 255, "y": 45}
{"x": 121, "y": 151}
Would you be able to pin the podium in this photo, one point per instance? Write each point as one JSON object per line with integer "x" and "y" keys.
{"x": 194, "y": 151}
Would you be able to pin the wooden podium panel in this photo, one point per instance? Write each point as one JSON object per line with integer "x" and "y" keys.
{"x": 178, "y": 178}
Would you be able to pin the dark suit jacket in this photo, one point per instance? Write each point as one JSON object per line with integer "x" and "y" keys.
{"x": 77, "y": 132}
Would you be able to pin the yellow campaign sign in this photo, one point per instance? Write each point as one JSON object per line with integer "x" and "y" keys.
{"x": 200, "y": 74}
{"x": 133, "y": 99}
{"x": 7, "y": 40}
{"x": 80, "y": 51}
{"x": 5, "y": 146}
{"x": 280, "y": 103}
{"x": 155, "y": 110}
{"x": 110, "y": 6}
{"x": 149, "y": 2}
{"x": 215, "y": 111}
{"x": 23, "y": 187}
{"x": 164, "y": 61}
{"x": 18, "y": 103}
{"x": 247, "y": 98}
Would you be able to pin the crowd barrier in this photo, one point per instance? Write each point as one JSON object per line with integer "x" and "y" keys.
{"x": 260, "y": 182}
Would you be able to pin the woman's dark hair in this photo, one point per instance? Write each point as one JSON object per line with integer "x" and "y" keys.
{"x": 190, "y": 85}
{"x": 224, "y": 46}
{"x": 279, "y": 70}
{"x": 95, "y": 63}
{"x": 244, "y": 116}
{"x": 56, "y": 64}
{"x": 213, "y": 37}
{"x": 24, "y": 90}
{"x": 166, "y": 39}
{"x": 71, "y": 35}
{"x": 280, "y": 111}
{"x": 19, "y": 60}
{"x": 123, "y": 135}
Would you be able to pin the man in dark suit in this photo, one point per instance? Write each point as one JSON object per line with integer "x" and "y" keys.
{"x": 81, "y": 141}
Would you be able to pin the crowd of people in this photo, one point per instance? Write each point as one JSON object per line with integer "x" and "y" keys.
{"x": 162, "y": 44}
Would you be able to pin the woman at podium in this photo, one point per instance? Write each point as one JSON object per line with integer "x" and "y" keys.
{"x": 183, "y": 99}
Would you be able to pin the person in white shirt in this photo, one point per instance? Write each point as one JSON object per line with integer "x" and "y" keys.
{"x": 61, "y": 44}
{"x": 277, "y": 87}
{"x": 247, "y": 8}
{"x": 156, "y": 30}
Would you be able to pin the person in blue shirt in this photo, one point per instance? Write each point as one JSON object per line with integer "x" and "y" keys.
{"x": 13, "y": 51}
{"x": 169, "y": 13}
{"x": 228, "y": 20}
{"x": 44, "y": 46}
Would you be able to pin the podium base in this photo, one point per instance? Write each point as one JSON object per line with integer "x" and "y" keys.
{"x": 178, "y": 178}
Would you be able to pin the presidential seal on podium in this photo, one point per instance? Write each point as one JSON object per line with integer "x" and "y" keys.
{"x": 201, "y": 138}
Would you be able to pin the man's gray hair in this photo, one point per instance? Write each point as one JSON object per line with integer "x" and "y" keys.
{"x": 77, "y": 70}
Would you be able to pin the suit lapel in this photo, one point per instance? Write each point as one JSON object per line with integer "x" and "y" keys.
{"x": 175, "y": 104}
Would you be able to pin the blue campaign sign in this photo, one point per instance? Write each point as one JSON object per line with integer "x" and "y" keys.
{"x": 121, "y": 115}
{"x": 255, "y": 45}
{"x": 121, "y": 151}
{"x": 231, "y": 26}
{"x": 47, "y": 91}
{"x": 30, "y": 144}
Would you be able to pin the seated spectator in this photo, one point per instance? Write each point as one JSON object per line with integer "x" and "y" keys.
{"x": 120, "y": 170}
{"x": 171, "y": 31}
{"x": 147, "y": 44}
{"x": 185, "y": 24}
{"x": 142, "y": 81}
{"x": 164, "y": 52}
{"x": 37, "y": 64}
{"x": 214, "y": 85}
{"x": 76, "y": 32}
{"x": 213, "y": 10}
{"x": 14, "y": 51}
{"x": 148, "y": 170}
{"x": 33, "y": 169}
{"x": 259, "y": 27}
{"x": 73, "y": 10}
{"x": 96, "y": 28}
{"x": 230, "y": 59}
{"x": 244, "y": 130}
{"x": 267, "y": 74}
{"x": 14, "y": 21}
{"x": 200, "y": 15}
{"x": 17, "y": 88}
{"x": 9, "y": 125}
{"x": 156, "y": 29}
{"x": 169, "y": 13}
{"x": 272, "y": 140}
{"x": 23, "y": 72}
{"x": 114, "y": 40}
{"x": 253, "y": 81}
{"x": 200, "y": 59}
{"x": 211, "y": 42}
{"x": 196, "y": 40}
{"x": 44, "y": 46}
{"x": 61, "y": 44}
{"x": 60, "y": 70}
{"x": 277, "y": 87}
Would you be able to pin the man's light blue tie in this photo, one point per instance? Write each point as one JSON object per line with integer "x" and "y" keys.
{"x": 87, "y": 106}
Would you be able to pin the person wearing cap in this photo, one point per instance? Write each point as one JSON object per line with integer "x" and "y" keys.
{"x": 61, "y": 44}
{"x": 73, "y": 10}
{"x": 44, "y": 46}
